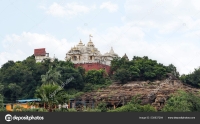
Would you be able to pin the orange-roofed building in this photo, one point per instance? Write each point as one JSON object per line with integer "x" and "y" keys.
{"x": 41, "y": 54}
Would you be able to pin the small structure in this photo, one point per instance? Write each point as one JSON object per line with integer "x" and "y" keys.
{"x": 126, "y": 57}
{"x": 41, "y": 54}
{"x": 22, "y": 103}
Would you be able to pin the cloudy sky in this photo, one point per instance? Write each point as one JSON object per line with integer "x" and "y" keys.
{"x": 164, "y": 30}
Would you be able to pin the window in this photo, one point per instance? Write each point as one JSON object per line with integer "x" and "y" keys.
{"x": 74, "y": 58}
{"x": 90, "y": 57}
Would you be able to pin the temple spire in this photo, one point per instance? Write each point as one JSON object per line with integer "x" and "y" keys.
{"x": 111, "y": 51}
{"x": 90, "y": 37}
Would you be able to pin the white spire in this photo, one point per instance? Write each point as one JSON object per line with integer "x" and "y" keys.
{"x": 111, "y": 51}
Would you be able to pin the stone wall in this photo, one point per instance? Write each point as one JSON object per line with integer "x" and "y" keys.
{"x": 94, "y": 66}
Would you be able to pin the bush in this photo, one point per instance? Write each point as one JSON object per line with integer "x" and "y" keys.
{"x": 72, "y": 110}
{"x": 42, "y": 110}
{"x": 93, "y": 110}
{"x": 2, "y": 109}
{"x": 182, "y": 102}
{"x": 102, "y": 106}
{"x": 18, "y": 108}
{"x": 122, "y": 75}
{"x": 134, "y": 108}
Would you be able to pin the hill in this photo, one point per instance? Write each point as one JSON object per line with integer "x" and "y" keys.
{"x": 154, "y": 93}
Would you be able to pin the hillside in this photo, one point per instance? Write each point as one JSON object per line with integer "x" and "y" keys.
{"x": 154, "y": 93}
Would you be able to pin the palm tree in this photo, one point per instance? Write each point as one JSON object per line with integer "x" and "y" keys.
{"x": 48, "y": 94}
{"x": 51, "y": 77}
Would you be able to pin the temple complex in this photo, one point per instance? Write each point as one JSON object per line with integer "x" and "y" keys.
{"x": 86, "y": 56}
{"x": 89, "y": 57}
{"x": 82, "y": 53}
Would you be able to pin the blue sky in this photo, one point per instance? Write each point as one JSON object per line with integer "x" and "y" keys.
{"x": 164, "y": 30}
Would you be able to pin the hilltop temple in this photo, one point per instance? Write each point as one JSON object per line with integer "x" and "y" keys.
{"x": 86, "y": 56}
{"x": 89, "y": 57}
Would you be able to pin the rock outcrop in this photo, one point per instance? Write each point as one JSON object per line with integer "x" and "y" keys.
{"x": 154, "y": 93}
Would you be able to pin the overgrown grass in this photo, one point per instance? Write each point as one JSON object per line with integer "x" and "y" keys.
{"x": 91, "y": 87}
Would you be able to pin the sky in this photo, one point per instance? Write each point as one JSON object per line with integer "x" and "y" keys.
{"x": 164, "y": 30}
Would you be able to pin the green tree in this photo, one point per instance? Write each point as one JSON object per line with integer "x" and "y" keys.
{"x": 172, "y": 69}
{"x": 14, "y": 91}
{"x": 71, "y": 78}
{"x": 122, "y": 75}
{"x": 102, "y": 106}
{"x": 142, "y": 68}
{"x": 134, "y": 72}
{"x": 50, "y": 95}
{"x": 192, "y": 79}
{"x": 1, "y": 98}
{"x": 51, "y": 77}
{"x": 95, "y": 76}
{"x": 182, "y": 102}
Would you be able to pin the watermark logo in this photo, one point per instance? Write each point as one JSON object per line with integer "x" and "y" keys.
{"x": 8, "y": 117}
{"x": 61, "y": 87}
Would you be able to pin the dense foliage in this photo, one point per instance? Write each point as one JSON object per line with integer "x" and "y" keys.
{"x": 58, "y": 81}
{"x": 140, "y": 68}
{"x": 182, "y": 102}
{"x": 22, "y": 79}
{"x": 192, "y": 78}
{"x": 134, "y": 106}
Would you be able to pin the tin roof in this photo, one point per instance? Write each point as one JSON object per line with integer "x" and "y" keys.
{"x": 40, "y": 52}
{"x": 28, "y": 100}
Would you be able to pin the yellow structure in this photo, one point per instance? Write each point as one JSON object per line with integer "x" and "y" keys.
{"x": 10, "y": 107}
{"x": 22, "y": 104}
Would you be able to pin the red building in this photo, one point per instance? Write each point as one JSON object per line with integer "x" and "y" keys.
{"x": 40, "y": 52}
{"x": 94, "y": 66}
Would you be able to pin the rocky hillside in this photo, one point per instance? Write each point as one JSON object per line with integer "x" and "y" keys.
{"x": 154, "y": 93}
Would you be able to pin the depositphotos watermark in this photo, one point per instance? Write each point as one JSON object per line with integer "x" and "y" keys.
{"x": 61, "y": 87}
{"x": 9, "y": 118}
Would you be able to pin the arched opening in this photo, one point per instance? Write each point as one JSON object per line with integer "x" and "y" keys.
{"x": 74, "y": 58}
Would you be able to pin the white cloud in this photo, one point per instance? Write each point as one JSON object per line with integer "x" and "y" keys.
{"x": 67, "y": 10}
{"x": 110, "y": 6}
{"x": 23, "y": 46}
{"x": 165, "y": 30}
{"x": 166, "y": 16}
{"x": 131, "y": 40}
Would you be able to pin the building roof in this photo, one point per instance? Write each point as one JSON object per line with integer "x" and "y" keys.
{"x": 125, "y": 56}
{"x": 39, "y": 52}
{"x": 28, "y": 100}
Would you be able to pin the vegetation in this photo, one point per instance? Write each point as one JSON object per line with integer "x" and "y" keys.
{"x": 140, "y": 68}
{"x": 1, "y": 99}
{"x": 134, "y": 106}
{"x": 58, "y": 81}
{"x": 192, "y": 79}
{"x": 182, "y": 102}
{"x": 24, "y": 79}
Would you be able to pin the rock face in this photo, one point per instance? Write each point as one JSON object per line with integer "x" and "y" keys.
{"x": 154, "y": 93}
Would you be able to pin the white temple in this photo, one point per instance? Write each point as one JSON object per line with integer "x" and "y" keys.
{"x": 82, "y": 53}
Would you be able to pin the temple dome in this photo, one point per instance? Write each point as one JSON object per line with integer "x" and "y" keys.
{"x": 90, "y": 44}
